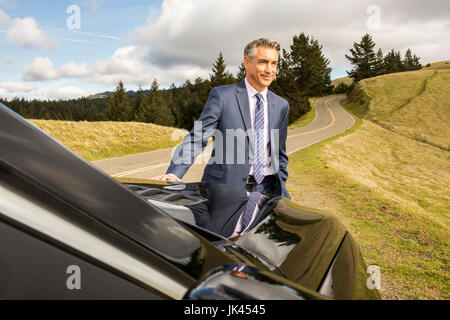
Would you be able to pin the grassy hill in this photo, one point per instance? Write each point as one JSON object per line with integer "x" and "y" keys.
{"x": 438, "y": 65}
{"x": 347, "y": 80}
{"x": 99, "y": 140}
{"x": 414, "y": 104}
{"x": 388, "y": 179}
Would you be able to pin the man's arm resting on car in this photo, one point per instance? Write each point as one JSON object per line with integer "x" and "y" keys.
{"x": 167, "y": 177}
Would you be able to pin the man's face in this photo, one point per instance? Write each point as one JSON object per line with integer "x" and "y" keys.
{"x": 262, "y": 69}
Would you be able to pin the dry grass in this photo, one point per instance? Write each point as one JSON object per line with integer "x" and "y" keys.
{"x": 404, "y": 169}
{"x": 439, "y": 65}
{"x": 388, "y": 179}
{"x": 415, "y": 104}
{"x": 346, "y": 80}
{"x": 99, "y": 140}
{"x": 394, "y": 201}
{"x": 413, "y": 223}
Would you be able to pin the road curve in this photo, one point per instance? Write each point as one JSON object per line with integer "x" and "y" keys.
{"x": 330, "y": 120}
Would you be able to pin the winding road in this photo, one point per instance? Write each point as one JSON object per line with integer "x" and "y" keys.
{"x": 330, "y": 120}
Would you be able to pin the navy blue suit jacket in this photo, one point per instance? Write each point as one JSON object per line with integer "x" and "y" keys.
{"x": 228, "y": 108}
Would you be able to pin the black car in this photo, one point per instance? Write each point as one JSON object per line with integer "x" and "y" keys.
{"x": 70, "y": 231}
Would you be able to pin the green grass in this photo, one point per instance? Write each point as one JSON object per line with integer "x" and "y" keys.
{"x": 307, "y": 117}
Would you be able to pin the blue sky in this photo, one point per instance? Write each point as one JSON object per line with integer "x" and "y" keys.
{"x": 174, "y": 40}
{"x": 104, "y": 28}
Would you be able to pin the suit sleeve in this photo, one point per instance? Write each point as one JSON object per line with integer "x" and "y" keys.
{"x": 284, "y": 160}
{"x": 197, "y": 139}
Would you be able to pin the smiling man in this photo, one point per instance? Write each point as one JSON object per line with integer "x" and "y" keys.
{"x": 250, "y": 107}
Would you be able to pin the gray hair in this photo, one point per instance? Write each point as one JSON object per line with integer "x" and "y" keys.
{"x": 250, "y": 49}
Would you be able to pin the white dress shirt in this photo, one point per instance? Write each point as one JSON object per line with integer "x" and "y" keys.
{"x": 268, "y": 170}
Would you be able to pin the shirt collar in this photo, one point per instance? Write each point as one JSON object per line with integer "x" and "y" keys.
{"x": 252, "y": 91}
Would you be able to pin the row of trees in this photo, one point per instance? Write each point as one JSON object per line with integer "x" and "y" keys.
{"x": 303, "y": 72}
{"x": 71, "y": 110}
{"x": 367, "y": 63}
{"x": 151, "y": 107}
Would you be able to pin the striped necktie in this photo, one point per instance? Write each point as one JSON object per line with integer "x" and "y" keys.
{"x": 258, "y": 165}
{"x": 253, "y": 200}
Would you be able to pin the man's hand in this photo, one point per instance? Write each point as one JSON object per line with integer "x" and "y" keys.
{"x": 167, "y": 177}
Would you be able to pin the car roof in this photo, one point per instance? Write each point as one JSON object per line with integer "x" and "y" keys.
{"x": 43, "y": 161}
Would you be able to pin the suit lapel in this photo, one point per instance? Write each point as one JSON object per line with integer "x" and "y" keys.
{"x": 273, "y": 113}
{"x": 244, "y": 107}
{"x": 274, "y": 123}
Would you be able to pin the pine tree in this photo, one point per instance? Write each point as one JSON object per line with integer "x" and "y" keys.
{"x": 307, "y": 66}
{"x": 139, "y": 113}
{"x": 393, "y": 62}
{"x": 408, "y": 60}
{"x": 411, "y": 62}
{"x": 159, "y": 112}
{"x": 118, "y": 108}
{"x": 220, "y": 76}
{"x": 321, "y": 84}
{"x": 286, "y": 86}
{"x": 379, "y": 63}
{"x": 363, "y": 59}
{"x": 241, "y": 73}
{"x": 416, "y": 65}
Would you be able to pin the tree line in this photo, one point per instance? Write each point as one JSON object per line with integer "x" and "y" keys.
{"x": 367, "y": 63}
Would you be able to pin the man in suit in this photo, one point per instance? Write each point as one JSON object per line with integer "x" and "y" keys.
{"x": 259, "y": 161}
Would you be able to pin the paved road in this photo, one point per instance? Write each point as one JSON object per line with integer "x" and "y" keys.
{"x": 330, "y": 120}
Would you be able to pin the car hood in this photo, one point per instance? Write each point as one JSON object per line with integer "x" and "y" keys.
{"x": 294, "y": 241}
{"x": 301, "y": 242}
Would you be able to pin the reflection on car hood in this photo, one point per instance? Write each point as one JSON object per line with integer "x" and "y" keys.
{"x": 301, "y": 242}
{"x": 295, "y": 241}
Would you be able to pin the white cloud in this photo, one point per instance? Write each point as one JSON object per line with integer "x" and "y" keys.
{"x": 41, "y": 69}
{"x": 130, "y": 65}
{"x": 192, "y": 32}
{"x": 75, "y": 70}
{"x": 4, "y": 18}
{"x": 126, "y": 64}
{"x": 26, "y": 33}
{"x": 67, "y": 92}
{"x": 12, "y": 89}
{"x": 12, "y": 86}
{"x": 183, "y": 39}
